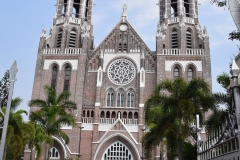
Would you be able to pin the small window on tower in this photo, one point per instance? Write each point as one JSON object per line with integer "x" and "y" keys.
{"x": 59, "y": 38}
{"x": 76, "y": 9}
{"x": 174, "y": 9}
{"x": 189, "y": 39}
{"x": 67, "y": 78}
{"x": 64, "y": 7}
{"x": 54, "y": 77}
{"x": 86, "y": 10}
{"x": 186, "y": 8}
{"x": 125, "y": 47}
{"x": 174, "y": 39}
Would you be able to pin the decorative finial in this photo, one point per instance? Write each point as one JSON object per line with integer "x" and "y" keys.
{"x": 44, "y": 31}
{"x": 124, "y": 14}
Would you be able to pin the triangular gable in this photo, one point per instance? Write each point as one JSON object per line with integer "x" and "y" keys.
{"x": 123, "y": 38}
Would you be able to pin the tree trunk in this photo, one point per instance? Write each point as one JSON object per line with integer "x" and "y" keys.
{"x": 161, "y": 151}
{"x": 180, "y": 142}
{"x": 31, "y": 154}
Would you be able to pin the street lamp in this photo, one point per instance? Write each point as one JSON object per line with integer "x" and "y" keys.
{"x": 142, "y": 143}
{"x": 79, "y": 155}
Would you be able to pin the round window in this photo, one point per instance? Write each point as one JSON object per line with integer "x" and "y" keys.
{"x": 121, "y": 71}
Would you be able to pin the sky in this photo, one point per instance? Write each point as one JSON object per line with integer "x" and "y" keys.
{"x": 22, "y": 23}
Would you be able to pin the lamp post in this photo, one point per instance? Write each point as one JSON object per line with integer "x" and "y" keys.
{"x": 79, "y": 147}
{"x": 142, "y": 143}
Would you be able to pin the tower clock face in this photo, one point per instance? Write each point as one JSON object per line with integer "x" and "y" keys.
{"x": 123, "y": 27}
{"x": 121, "y": 71}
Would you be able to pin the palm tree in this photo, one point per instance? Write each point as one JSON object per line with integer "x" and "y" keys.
{"x": 16, "y": 126}
{"x": 52, "y": 113}
{"x": 36, "y": 139}
{"x": 221, "y": 99}
{"x": 179, "y": 102}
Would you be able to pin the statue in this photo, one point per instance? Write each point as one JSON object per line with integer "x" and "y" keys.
{"x": 124, "y": 8}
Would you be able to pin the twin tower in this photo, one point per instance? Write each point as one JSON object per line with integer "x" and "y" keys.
{"x": 111, "y": 82}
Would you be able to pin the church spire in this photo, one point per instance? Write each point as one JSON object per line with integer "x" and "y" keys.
{"x": 124, "y": 13}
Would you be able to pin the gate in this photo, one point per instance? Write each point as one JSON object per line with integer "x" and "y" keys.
{"x": 223, "y": 144}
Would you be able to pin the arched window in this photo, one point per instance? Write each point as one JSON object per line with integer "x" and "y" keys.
{"x": 186, "y": 8}
{"x": 174, "y": 39}
{"x": 110, "y": 98}
{"x": 176, "y": 73}
{"x": 76, "y": 9}
{"x": 72, "y": 40}
{"x": 130, "y": 98}
{"x": 54, "y": 77}
{"x": 67, "y": 78}
{"x": 54, "y": 153}
{"x": 120, "y": 98}
{"x": 190, "y": 74}
{"x": 174, "y": 8}
{"x": 117, "y": 150}
{"x": 189, "y": 39}
{"x": 86, "y": 10}
{"x": 59, "y": 38}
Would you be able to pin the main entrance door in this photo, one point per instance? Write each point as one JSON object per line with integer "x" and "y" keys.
{"x": 117, "y": 151}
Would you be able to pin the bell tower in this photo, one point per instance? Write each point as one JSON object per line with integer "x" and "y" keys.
{"x": 182, "y": 44}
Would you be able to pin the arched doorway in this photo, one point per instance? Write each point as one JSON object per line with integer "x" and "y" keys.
{"x": 117, "y": 150}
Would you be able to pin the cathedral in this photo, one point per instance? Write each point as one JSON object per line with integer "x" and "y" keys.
{"x": 111, "y": 82}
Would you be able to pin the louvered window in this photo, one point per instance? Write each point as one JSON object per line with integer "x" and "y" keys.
{"x": 59, "y": 38}
{"x": 189, "y": 39}
{"x": 72, "y": 40}
{"x": 174, "y": 39}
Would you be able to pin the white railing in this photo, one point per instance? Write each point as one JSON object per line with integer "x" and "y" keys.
{"x": 75, "y": 20}
{"x": 60, "y": 20}
{"x": 87, "y": 120}
{"x": 173, "y": 20}
{"x": 188, "y": 20}
{"x": 51, "y": 51}
{"x": 130, "y": 121}
{"x": 107, "y": 120}
{"x": 73, "y": 51}
{"x": 135, "y": 50}
{"x": 194, "y": 52}
{"x": 110, "y": 50}
{"x": 171, "y": 51}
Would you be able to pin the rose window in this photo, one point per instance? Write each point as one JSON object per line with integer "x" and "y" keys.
{"x": 121, "y": 71}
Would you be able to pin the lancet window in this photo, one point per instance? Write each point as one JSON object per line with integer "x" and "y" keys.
{"x": 54, "y": 77}
{"x": 189, "y": 38}
{"x": 176, "y": 72}
{"x": 64, "y": 8}
{"x": 120, "y": 98}
{"x": 110, "y": 98}
{"x": 54, "y": 153}
{"x": 72, "y": 39}
{"x": 174, "y": 39}
{"x": 190, "y": 74}
{"x": 130, "y": 98}
{"x": 59, "y": 38}
{"x": 67, "y": 78}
